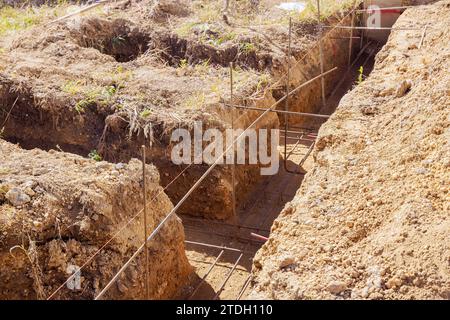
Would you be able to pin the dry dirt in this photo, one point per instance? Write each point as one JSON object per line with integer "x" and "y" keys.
{"x": 109, "y": 83}
{"x": 371, "y": 219}
{"x": 56, "y": 211}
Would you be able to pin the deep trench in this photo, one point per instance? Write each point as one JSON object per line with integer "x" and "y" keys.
{"x": 31, "y": 128}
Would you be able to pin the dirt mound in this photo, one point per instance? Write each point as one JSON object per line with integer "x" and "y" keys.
{"x": 371, "y": 219}
{"x": 58, "y": 209}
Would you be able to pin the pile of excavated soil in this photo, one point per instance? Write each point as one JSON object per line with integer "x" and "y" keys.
{"x": 58, "y": 209}
{"x": 372, "y": 218}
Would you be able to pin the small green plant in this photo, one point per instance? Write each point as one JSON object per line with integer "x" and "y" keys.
{"x": 247, "y": 47}
{"x": 15, "y": 19}
{"x": 94, "y": 155}
{"x": 195, "y": 101}
{"x": 109, "y": 91}
{"x": 183, "y": 64}
{"x": 72, "y": 87}
{"x": 117, "y": 41}
{"x": 360, "y": 78}
{"x": 83, "y": 104}
{"x": 145, "y": 113}
{"x": 262, "y": 81}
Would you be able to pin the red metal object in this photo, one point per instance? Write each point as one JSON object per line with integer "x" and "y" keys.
{"x": 259, "y": 237}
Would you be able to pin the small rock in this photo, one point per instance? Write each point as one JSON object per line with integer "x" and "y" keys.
{"x": 421, "y": 171}
{"x": 29, "y": 191}
{"x": 119, "y": 166}
{"x": 394, "y": 282}
{"x": 365, "y": 292}
{"x": 102, "y": 165}
{"x": 115, "y": 173}
{"x": 39, "y": 171}
{"x": 29, "y": 184}
{"x": 403, "y": 88}
{"x": 38, "y": 189}
{"x": 17, "y": 197}
{"x": 336, "y": 287}
{"x": 286, "y": 261}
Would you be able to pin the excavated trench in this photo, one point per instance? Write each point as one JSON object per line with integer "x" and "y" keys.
{"x": 29, "y": 123}
{"x": 267, "y": 199}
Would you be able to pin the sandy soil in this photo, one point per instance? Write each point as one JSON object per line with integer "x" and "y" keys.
{"x": 371, "y": 219}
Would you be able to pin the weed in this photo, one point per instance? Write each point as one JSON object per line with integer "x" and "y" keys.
{"x": 94, "y": 155}
{"x": 183, "y": 64}
{"x": 72, "y": 87}
{"x": 145, "y": 113}
{"x": 360, "y": 78}
{"x": 202, "y": 68}
{"x": 196, "y": 101}
{"x": 15, "y": 19}
{"x": 185, "y": 29}
{"x": 83, "y": 104}
{"x": 247, "y": 47}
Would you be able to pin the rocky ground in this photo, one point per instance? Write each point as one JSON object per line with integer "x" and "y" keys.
{"x": 372, "y": 218}
{"x": 57, "y": 210}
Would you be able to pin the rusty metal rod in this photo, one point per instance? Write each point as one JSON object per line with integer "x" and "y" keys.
{"x": 373, "y": 28}
{"x": 383, "y": 9}
{"x": 233, "y": 166}
{"x": 244, "y": 287}
{"x": 259, "y": 237}
{"x": 304, "y": 114}
{"x": 423, "y": 36}
{"x": 322, "y": 80}
{"x": 92, "y": 6}
{"x": 237, "y": 238}
{"x": 144, "y": 190}
{"x": 222, "y": 223}
{"x": 228, "y": 277}
{"x": 350, "y": 41}
{"x": 206, "y": 274}
{"x": 213, "y": 246}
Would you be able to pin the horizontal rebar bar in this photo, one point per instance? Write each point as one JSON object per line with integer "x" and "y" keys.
{"x": 222, "y": 223}
{"x": 212, "y": 246}
{"x": 92, "y": 6}
{"x": 373, "y": 28}
{"x": 279, "y": 111}
{"x": 383, "y": 9}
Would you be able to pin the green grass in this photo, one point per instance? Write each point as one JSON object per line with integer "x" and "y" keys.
{"x": 16, "y": 19}
{"x": 94, "y": 155}
{"x": 89, "y": 95}
{"x": 145, "y": 113}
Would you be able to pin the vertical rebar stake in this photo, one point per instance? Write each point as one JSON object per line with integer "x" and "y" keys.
{"x": 361, "y": 40}
{"x": 322, "y": 80}
{"x": 350, "y": 43}
{"x": 144, "y": 187}
{"x": 233, "y": 177}
{"x": 286, "y": 101}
